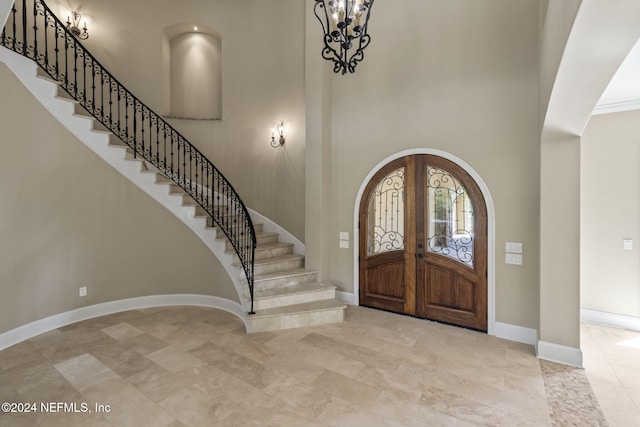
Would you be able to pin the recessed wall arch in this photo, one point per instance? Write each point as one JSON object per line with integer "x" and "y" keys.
{"x": 192, "y": 70}
{"x": 491, "y": 260}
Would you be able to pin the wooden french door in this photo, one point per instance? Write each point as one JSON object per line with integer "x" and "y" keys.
{"x": 423, "y": 242}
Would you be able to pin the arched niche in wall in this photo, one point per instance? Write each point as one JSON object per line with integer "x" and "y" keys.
{"x": 192, "y": 56}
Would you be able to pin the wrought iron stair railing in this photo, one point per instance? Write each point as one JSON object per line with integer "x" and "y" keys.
{"x": 32, "y": 30}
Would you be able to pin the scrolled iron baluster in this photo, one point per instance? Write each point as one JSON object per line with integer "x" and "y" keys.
{"x": 56, "y": 50}
{"x": 173, "y": 142}
{"x": 24, "y": 27}
{"x": 184, "y": 163}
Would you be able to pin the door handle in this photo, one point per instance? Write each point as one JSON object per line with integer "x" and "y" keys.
{"x": 420, "y": 255}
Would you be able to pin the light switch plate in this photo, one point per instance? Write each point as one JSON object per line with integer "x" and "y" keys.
{"x": 513, "y": 247}
{"x": 344, "y": 244}
{"x": 515, "y": 259}
{"x": 344, "y": 235}
{"x": 627, "y": 244}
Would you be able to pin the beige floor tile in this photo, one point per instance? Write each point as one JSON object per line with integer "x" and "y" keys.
{"x": 43, "y": 384}
{"x": 72, "y": 420}
{"x": 247, "y": 370}
{"x": 307, "y": 398}
{"x": 391, "y": 382}
{"x": 612, "y": 369}
{"x": 629, "y": 377}
{"x": 247, "y": 346}
{"x": 211, "y": 353}
{"x": 18, "y": 420}
{"x": 214, "y": 380}
{"x": 618, "y": 407}
{"x": 191, "y": 407}
{"x": 84, "y": 371}
{"x": 122, "y": 331}
{"x": 341, "y": 413}
{"x": 469, "y": 410}
{"x": 409, "y": 413}
{"x": 128, "y": 363}
{"x": 8, "y": 392}
{"x": 144, "y": 343}
{"x": 47, "y": 339}
{"x": 317, "y": 356}
{"x": 81, "y": 334}
{"x": 178, "y": 338}
{"x": 206, "y": 330}
{"x": 174, "y": 359}
{"x": 130, "y": 407}
{"x": 21, "y": 354}
{"x": 290, "y": 364}
{"x": 156, "y": 327}
{"x": 105, "y": 348}
{"x": 351, "y": 390}
{"x": 157, "y": 383}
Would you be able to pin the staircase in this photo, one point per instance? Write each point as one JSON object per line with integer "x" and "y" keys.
{"x": 285, "y": 294}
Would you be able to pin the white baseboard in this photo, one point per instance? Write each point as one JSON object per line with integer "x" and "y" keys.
{"x": 515, "y": 333}
{"x": 559, "y": 354}
{"x": 620, "y": 321}
{"x": 30, "y": 330}
{"x": 346, "y": 297}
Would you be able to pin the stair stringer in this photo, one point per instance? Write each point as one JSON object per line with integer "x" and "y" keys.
{"x": 285, "y": 236}
{"x": 26, "y": 70}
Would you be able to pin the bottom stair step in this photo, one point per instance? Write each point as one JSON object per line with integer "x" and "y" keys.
{"x": 290, "y": 295}
{"x": 297, "y": 316}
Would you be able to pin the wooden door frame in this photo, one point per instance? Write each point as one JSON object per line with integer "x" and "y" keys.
{"x": 491, "y": 260}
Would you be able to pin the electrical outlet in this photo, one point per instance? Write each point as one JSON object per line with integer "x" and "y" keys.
{"x": 83, "y": 291}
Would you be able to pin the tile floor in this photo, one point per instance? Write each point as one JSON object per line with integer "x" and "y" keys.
{"x": 612, "y": 364}
{"x": 189, "y": 366}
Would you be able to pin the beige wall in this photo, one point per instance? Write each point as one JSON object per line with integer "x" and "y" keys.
{"x": 456, "y": 76}
{"x": 67, "y": 219}
{"x": 560, "y": 240}
{"x": 262, "y": 84}
{"x": 610, "y": 212}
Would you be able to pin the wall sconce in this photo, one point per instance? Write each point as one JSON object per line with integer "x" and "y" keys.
{"x": 73, "y": 25}
{"x": 279, "y": 129}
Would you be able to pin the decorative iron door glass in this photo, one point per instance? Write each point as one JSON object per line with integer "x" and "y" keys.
{"x": 386, "y": 214}
{"x": 450, "y": 220}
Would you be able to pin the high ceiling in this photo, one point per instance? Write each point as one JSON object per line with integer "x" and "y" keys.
{"x": 623, "y": 93}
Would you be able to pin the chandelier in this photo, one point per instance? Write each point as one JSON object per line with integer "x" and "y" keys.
{"x": 344, "y": 23}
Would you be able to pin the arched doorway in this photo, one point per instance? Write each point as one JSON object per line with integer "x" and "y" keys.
{"x": 423, "y": 242}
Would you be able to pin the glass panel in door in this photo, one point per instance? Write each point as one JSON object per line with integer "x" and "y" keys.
{"x": 450, "y": 218}
{"x": 386, "y": 214}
